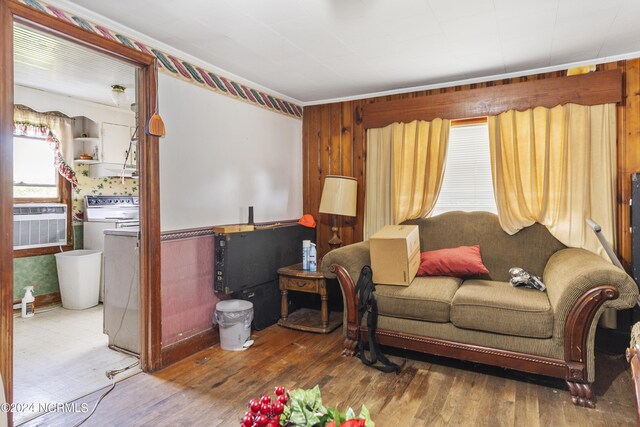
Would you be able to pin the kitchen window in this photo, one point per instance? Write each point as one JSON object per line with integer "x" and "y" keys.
{"x": 34, "y": 175}
{"x": 36, "y": 180}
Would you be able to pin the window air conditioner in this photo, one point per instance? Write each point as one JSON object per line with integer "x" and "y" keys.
{"x": 37, "y": 225}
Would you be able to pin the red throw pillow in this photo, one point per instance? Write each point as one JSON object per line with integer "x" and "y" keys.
{"x": 460, "y": 261}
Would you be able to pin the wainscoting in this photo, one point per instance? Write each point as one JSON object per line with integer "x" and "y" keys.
{"x": 188, "y": 300}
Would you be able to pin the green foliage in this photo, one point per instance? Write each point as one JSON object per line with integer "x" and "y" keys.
{"x": 305, "y": 409}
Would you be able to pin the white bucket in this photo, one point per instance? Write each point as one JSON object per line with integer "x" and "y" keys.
{"x": 79, "y": 278}
{"x": 234, "y": 317}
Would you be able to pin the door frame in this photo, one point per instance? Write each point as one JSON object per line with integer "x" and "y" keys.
{"x": 12, "y": 11}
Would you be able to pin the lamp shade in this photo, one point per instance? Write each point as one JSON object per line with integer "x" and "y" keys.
{"x": 339, "y": 195}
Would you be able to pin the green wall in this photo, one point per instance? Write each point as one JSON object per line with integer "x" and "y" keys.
{"x": 39, "y": 271}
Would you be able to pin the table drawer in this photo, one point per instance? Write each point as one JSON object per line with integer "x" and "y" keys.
{"x": 297, "y": 284}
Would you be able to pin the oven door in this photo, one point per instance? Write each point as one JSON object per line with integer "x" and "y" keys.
{"x": 128, "y": 223}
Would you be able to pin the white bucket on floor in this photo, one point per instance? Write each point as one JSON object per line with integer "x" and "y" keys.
{"x": 234, "y": 317}
{"x": 79, "y": 278}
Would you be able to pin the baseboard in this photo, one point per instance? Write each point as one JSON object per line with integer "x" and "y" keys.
{"x": 43, "y": 300}
{"x": 185, "y": 348}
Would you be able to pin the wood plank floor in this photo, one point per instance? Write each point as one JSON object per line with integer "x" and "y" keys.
{"x": 212, "y": 387}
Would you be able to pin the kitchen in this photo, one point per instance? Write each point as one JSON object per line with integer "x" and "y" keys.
{"x": 62, "y": 354}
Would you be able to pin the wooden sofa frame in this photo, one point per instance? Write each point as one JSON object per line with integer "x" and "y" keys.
{"x": 573, "y": 368}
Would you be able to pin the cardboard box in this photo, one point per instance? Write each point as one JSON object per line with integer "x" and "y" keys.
{"x": 395, "y": 254}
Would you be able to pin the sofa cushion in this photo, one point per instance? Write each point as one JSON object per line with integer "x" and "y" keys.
{"x": 426, "y": 298}
{"x": 498, "y": 307}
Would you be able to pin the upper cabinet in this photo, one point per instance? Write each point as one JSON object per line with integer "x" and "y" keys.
{"x": 107, "y": 147}
{"x": 116, "y": 144}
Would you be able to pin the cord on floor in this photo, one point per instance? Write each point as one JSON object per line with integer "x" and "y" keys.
{"x": 113, "y": 385}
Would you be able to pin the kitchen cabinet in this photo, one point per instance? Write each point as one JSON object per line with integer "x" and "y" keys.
{"x": 85, "y": 147}
{"x": 86, "y": 141}
{"x": 116, "y": 141}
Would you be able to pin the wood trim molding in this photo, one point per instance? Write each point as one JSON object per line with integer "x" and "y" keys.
{"x": 6, "y": 201}
{"x": 149, "y": 165}
{"x": 43, "y": 300}
{"x": 49, "y": 250}
{"x": 588, "y": 89}
{"x": 75, "y": 34}
{"x": 12, "y": 11}
{"x": 178, "y": 351}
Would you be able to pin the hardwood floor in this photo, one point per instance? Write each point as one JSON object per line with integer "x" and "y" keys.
{"x": 212, "y": 387}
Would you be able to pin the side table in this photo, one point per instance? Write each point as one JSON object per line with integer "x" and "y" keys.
{"x": 294, "y": 278}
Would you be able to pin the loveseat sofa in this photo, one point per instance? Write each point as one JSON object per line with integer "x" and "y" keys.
{"x": 484, "y": 319}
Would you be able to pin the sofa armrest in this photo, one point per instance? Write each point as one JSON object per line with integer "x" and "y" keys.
{"x": 351, "y": 257}
{"x": 572, "y": 272}
{"x": 580, "y": 285}
{"x": 346, "y": 263}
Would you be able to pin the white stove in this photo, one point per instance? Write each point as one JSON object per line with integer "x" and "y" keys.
{"x": 104, "y": 213}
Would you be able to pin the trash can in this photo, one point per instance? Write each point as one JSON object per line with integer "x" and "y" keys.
{"x": 234, "y": 317}
{"x": 79, "y": 278}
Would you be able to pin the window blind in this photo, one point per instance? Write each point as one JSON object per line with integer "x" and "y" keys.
{"x": 467, "y": 184}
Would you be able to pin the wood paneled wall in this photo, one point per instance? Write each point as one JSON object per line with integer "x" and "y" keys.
{"x": 334, "y": 144}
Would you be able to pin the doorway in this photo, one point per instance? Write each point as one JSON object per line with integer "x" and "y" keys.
{"x": 149, "y": 250}
{"x": 86, "y": 101}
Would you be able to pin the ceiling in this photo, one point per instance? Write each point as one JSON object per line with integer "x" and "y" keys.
{"x": 313, "y": 50}
{"x": 322, "y": 49}
{"x": 45, "y": 62}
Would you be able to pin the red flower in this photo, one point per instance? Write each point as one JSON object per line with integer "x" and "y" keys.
{"x": 354, "y": 422}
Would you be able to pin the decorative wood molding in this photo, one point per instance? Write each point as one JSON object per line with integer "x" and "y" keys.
{"x": 581, "y": 394}
{"x": 6, "y": 201}
{"x": 351, "y": 308}
{"x": 576, "y": 329}
{"x": 178, "y": 351}
{"x": 587, "y": 89}
{"x": 473, "y": 353}
{"x": 174, "y": 66}
{"x": 185, "y": 234}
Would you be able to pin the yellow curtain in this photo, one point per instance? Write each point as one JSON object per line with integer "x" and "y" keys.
{"x": 404, "y": 171}
{"x": 378, "y": 200}
{"x": 557, "y": 167}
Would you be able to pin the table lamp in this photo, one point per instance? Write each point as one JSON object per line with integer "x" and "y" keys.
{"x": 339, "y": 197}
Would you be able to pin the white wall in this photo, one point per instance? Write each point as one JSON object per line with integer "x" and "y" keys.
{"x": 221, "y": 155}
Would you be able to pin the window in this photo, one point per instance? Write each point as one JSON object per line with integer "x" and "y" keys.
{"x": 34, "y": 173}
{"x": 467, "y": 184}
